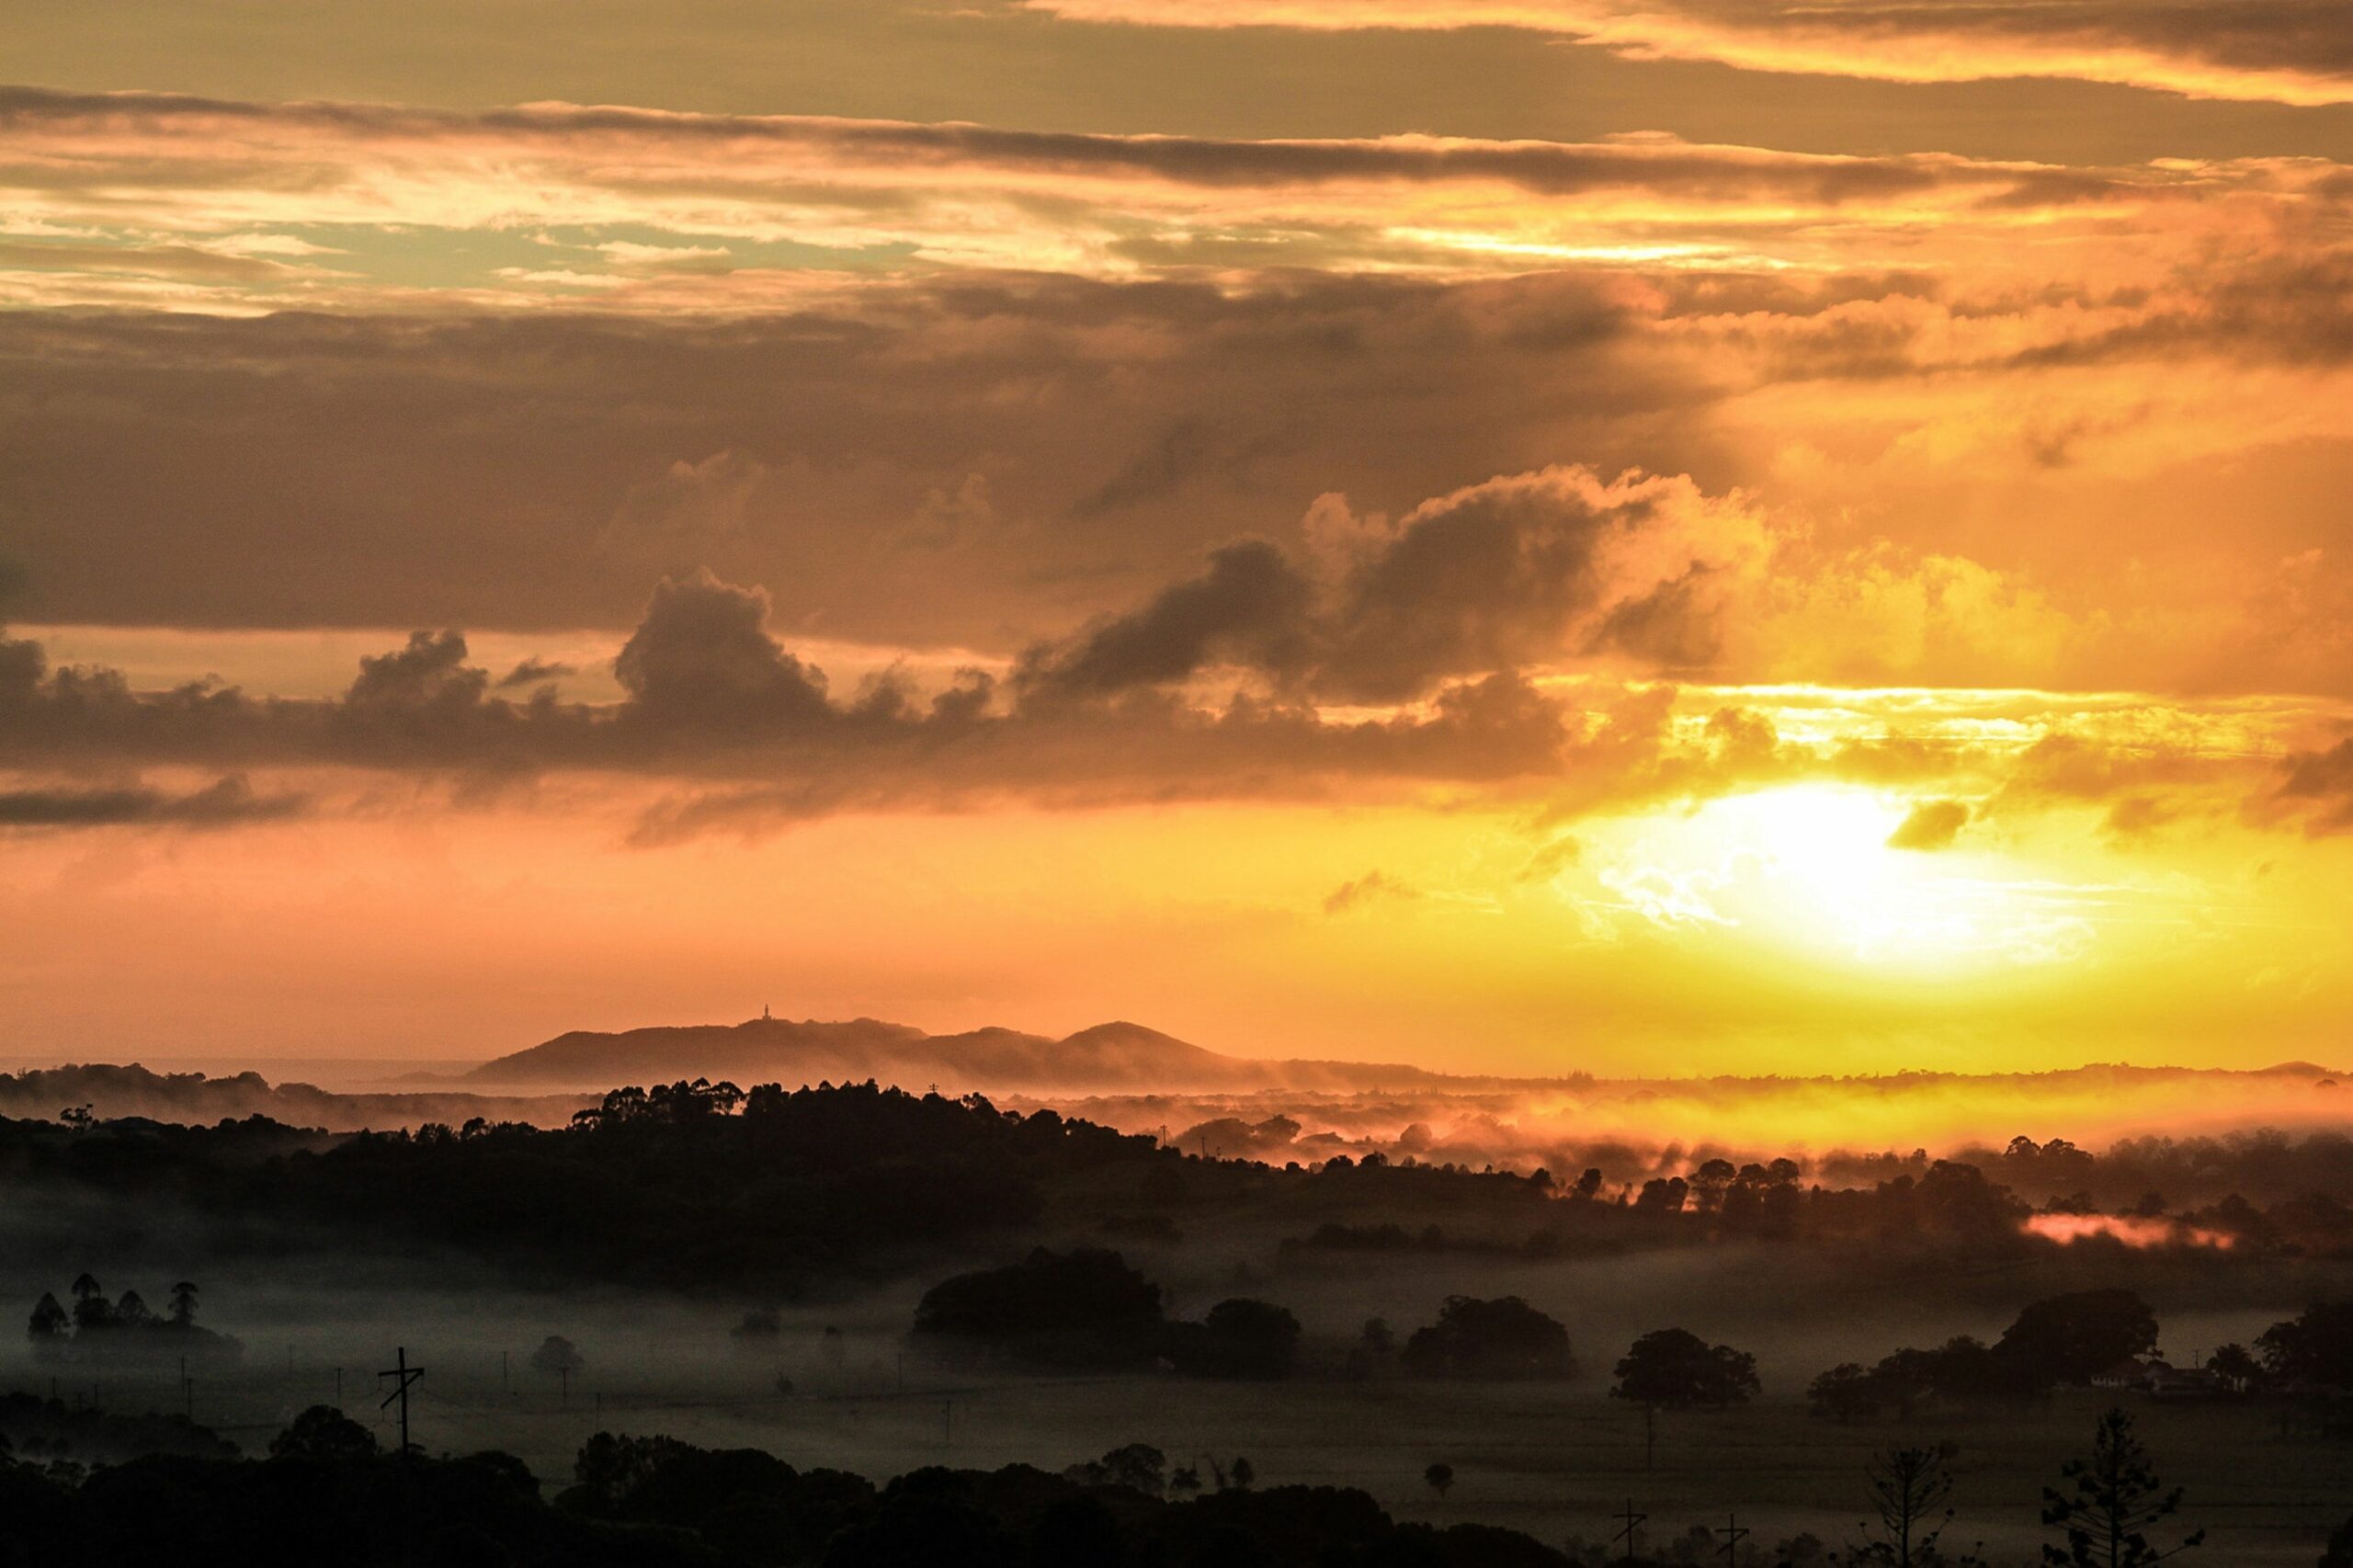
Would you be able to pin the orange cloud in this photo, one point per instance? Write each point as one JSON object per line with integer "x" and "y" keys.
{"x": 2299, "y": 52}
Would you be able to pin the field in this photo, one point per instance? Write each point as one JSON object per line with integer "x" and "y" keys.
{"x": 1556, "y": 1461}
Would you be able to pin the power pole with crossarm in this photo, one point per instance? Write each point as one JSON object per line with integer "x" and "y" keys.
{"x": 1633, "y": 1522}
{"x": 408, "y": 1377}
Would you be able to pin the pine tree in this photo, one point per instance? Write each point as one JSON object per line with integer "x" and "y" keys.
{"x": 2117, "y": 1497}
{"x": 1910, "y": 1489}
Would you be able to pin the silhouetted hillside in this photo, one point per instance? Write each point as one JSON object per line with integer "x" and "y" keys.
{"x": 1107, "y": 1059}
{"x": 111, "y": 1093}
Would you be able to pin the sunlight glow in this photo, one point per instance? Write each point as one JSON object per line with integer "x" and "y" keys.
{"x": 1813, "y": 869}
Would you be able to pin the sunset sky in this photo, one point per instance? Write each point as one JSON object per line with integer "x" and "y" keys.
{"x": 1688, "y": 535}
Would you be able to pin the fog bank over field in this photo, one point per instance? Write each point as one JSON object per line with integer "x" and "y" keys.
{"x": 1631, "y": 1127}
{"x": 1141, "y": 1081}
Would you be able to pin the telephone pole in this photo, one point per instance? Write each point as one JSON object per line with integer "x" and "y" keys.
{"x": 1732, "y": 1532}
{"x": 408, "y": 1377}
{"x": 1633, "y": 1522}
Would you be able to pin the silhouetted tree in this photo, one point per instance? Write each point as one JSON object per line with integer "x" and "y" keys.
{"x": 1440, "y": 1477}
{"x": 559, "y": 1357}
{"x": 1674, "y": 1369}
{"x": 1908, "y": 1490}
{"x": 2235, "y": 1365}
{"x": 1139, "y": 1467}
{"x": 49, "y": 1320}
{"x": 1663, "y": 1195}
{"x": 1241, "y": 1338}
{"x": 323, "y": 1432}
{"x": 132, "y": 1311}
{"x": 2116, "y": 1498}
{"x": 2315, "y": 1346}
{"x": 2340, "y": 1550}
{"x": 183, "y": 1305}
{"x": 2073, "y": 1339}
{"x": 1080, "y": 1307}
{"x": 1502, "y": 1338}
{"x": 1846, "y": 1392}
{"x": 91, "y": 1309}
{"x": 1243, "y": 1472}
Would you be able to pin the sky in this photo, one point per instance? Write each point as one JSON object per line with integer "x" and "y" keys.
{"x": 1535, "y": 536}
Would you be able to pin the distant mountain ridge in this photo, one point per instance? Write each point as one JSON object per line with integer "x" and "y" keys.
{"x": 110, "y": 1091}
{"x": 1111, "y": 1058}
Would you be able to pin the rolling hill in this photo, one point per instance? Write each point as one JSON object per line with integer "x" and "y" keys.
{"x": 1111, "y": 1058}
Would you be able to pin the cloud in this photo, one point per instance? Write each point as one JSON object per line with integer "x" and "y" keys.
{"x": 702, "y": 659}
{"x": 1521, "y": 570}
{"x": 2316, "y": 788}
{"x": 1846, "y": 423}
{"x": 1552, "y": 858}
{"x": 714, "y": 702}
{"x": 1249, "y": 607}
{"x": 725, "y": 729}
{"x": 1932, "y": 825}
{"x": 2296, "y": 52}
{"x": 228, "y": 802}
{"x": 1372, "y": 886}
{"x": 755, "y": 211}
{"x": 534, "y": 670}
{"x": 431, "y": 672}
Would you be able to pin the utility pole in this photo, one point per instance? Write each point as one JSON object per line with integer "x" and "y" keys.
{"x": 1633, "y": 1522}
{"x": 408, "y": 1376}
{"x": 1732, "y": 1532}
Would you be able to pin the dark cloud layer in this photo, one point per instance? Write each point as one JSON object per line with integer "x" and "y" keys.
{"x": 1499, "y": 576}
{"x": 2317, "y": 788}
{"x": 716, "y": 705}
{"x": 537, "y": 473}
{"x": 592, "y": 135}
{"x": 227, "y": 802}
{"x": 972, "y": 461}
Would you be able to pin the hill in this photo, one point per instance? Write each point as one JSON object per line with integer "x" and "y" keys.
{"x": 1112, "y": 1058}
{"x": 109, "y": 1092}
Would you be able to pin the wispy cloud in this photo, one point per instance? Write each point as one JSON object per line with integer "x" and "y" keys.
{"x": 2296, "y": 52}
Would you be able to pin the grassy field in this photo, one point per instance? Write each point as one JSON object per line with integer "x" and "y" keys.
{"x": 1553, "y": 1462}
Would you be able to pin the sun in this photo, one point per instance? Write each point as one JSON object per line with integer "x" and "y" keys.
{"x": 1810, "y": 869}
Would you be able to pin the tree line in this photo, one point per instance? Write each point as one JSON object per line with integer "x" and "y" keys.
{"x": 328, "y": 1492}
{"x": 2087, "y": 1338}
